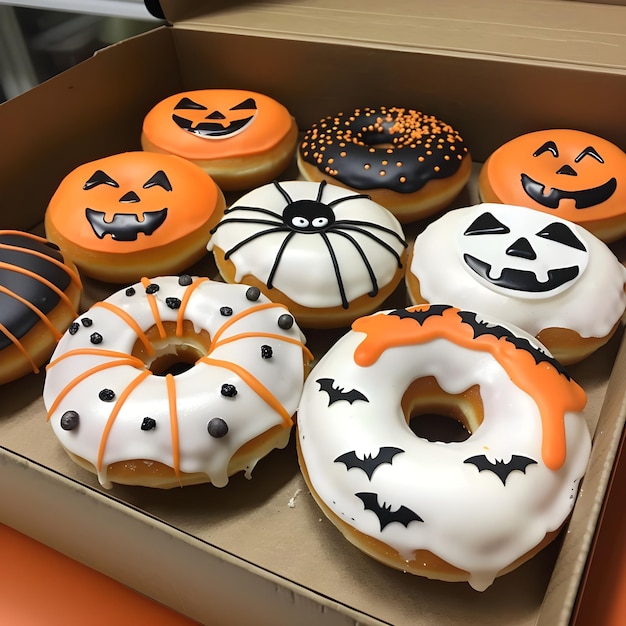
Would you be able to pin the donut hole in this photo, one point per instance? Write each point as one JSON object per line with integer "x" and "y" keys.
{"x": 436, "y": 415}
{"x": 173, "y": 353}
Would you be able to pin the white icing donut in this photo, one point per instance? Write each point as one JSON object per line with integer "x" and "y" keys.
{"x": 481, "y": 506}
{"x": 532, "y": 269}
{"x": 114, "y": 395}
{"x": 329, "y": 254}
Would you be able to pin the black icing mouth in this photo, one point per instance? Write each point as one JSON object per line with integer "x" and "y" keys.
{"x": 125, "y": 226}
{"x": 211, "y": 129}
{"x": 522, "y": 280}
{"x": 583, "y": 199}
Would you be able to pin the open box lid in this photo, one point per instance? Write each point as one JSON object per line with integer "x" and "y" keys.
{"x": 539, "y": 31}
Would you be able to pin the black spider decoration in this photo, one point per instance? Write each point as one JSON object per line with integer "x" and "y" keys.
{"x": 313, "y": 217}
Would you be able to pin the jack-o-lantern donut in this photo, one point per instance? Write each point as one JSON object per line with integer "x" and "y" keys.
{"x": 134, "y": 214}
{"x": 241, "y": 138}
{"x": 568, "y": 173}
{"x": 412, "y": 163}
{"x": 543, "y": 274}
{"x": 458, "y": 509}
{"x": 176, "y": 381}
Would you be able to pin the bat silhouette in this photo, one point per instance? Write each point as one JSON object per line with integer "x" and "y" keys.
{"x": 385, "y": 515}
{"x": 369, "y": 463}
{"x": 500, "y": 468}
{"x": 125, "y": 226}
{"x": 335, "y": 394}
{"x": 421, "y": 316}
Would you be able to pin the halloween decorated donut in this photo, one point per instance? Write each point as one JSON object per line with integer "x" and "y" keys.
{"x": 461, "y": 509}
{"x": 543, "y": 274}
{"x": 40, "y": 294}
{"x": 176, "y": 381}
{"x": 412, "y": 163}
{"x": 243, "y": 139}
{"x": 568, "y": 173}
{"x": 329, "y": 254}
{"x": 134, "y": 214}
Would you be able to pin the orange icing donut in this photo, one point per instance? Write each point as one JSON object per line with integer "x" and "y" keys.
{"x": 575, "y": 175}
{"x": 468, "y": 509}
{"x": 241, "y": 138}
{"x": 134, "y": 214}
{"x": 412, "y": 163}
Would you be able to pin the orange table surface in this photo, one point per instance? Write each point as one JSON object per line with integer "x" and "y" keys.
{"x": 40, "y": 586}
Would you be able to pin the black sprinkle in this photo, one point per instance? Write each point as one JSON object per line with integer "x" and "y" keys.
{"x": 173, "y": 303}
{"x": 285, "y": 321}
{"x": 226, "y": 311}
{"x": 152, "y": 288}
{"x": 69, "y": 420}
{"x": 149, "y": 423}
{"x": 266, "y": 352}
{"x": 86, "y": 322}
{"x": 217, "y": 427}
{"x": 107, "y": 395}
{"x": 228, "y": 390}
{"x": 130, "y": 291}
{"x": 185, "y": 280}
{"x": 95, "y": 338}
{"x": 73, "y": 329}
{"x": 253, "y": 294}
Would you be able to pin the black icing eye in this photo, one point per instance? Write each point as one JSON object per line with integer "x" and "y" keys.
{"x": 99, "y": 178}
{"x": 152, "y": 288}
{"x": 188, "y": 103}
{"x": 159, "y": 179}
{"x": 107, "y": 395}
{"x": 266, "y": 352}
{"x": 226, "y": 311}
{"x": 228, "y": 390}
{"x": 148, "y": 423}
{"x": 487, "y": 224}
{"x": 249, "y": 103}
{"x": 561, "y": 233}
{"x": 173, "y": 303}
{"x": 591, "y": 152}
{"x": 130, "y": 291}
{"x": 549, "y": 146}
{"x": 73, "y": 328}
{"x": 95, "y": 338}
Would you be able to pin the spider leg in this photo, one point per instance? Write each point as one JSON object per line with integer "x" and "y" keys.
{"x": 320, "y": 191}
{"x": 279, "y": 254}
{"x": 283, "y": 193}
{"x": 255, "y": 209}
{"x": 357, "y": 226}
{"x": 356, "y": 196}
{"x": 247, "y": 240}
{"x": 245, "y": 220}
{"x": 361, "y": 252}
{"x": 333, "y": 258}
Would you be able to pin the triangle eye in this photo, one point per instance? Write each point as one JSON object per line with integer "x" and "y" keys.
{"x": 159, "y": 179}
{"x": 249, "y": 103}
{"x": 188, "y": 103}
{"x": 561, "y": 233}
{"x": 487, "y": 224}
{"x": 99, "y": 178}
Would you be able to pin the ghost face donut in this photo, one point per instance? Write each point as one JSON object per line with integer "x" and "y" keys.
{"x": 568, "y": 173}
{"x": 241, "y": 138}
{"x": 176, "y": 381}
{"x": 544, "y": 274}
{"x": 330, "y": 255}
{"x": 412, "y": 163}
{"x": 40, "y": 294}
{"x": 134, "y": 214}
{"x": 464, "y": 510}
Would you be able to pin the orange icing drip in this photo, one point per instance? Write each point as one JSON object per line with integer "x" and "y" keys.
{"x": 119, "y": 403}
{"x": 553, "y": 392}
{"x": 130, "y": 321}
{"x": 44, "y": 318}
{"x": 234, "y": 318}
{"x": 98, "y": 352}
{"x": 152, "y": 303}
{"x": 171, "y": 397}
{"x": 18, "y": 344}
{"x": 183, "y": 305}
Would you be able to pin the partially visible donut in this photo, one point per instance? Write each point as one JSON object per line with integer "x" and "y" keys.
{"x": 176, "y": 381}
{"x": 40, "y": 294}
{"x": 412, "y": 163}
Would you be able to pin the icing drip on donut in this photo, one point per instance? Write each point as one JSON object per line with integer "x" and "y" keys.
{"x": 393, "y": 148}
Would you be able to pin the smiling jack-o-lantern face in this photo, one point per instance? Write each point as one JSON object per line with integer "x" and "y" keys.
{"x": 132, "y": 203}
{"x": 575, "y": 175}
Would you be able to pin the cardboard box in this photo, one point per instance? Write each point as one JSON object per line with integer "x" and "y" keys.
{"x": 260, "y": 551}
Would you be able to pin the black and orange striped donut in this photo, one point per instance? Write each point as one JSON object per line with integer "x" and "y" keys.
{"x": 412, "y": 163}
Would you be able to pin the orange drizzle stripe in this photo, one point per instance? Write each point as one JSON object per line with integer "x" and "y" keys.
{"x": 76, "y": 381}
{"x": 97, "y": 352}
{"x": 232, "y": 320}
{"x": 183, "y": 305}
{"x": 261, "y": 391}
{"x": 74, "y": 277}
{"x": 18, "y": 344}
{"x": 171, "y": 397}
{"x": 21, "y": 270}
{"x": 154, "y": 308}
{"x": 130, "y": 321}
{"x": 116, "y": 409}
{"x": 40, "y": 314}
{"x": 249, "y": 335}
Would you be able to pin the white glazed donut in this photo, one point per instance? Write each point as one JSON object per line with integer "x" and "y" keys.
{"x": 176, "y": 381}
{"x": 329, "y": 254}
{"x": 451, "y": 510}
{"x": 546, "y": 275}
